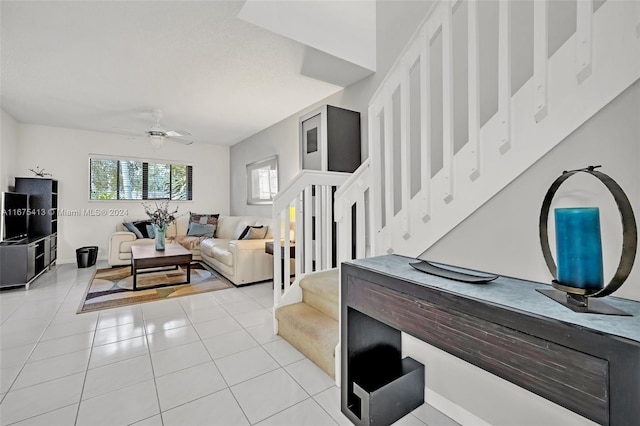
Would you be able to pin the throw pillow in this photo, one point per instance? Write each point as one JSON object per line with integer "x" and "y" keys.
{"x": 202, "y": 219}
{"x": 151, "y": 231}
{"x": 132, "y": 228}
{"x": 254, "y": 233}
{"x": 201, "y": 230}
{"x": 142, "y": 227}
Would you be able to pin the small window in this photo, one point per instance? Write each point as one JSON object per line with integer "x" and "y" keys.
{"x": 262, "y": 181}
{"x": 113, "y": 179}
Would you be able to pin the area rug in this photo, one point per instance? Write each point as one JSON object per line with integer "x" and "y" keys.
{"x": 113, "y": 287}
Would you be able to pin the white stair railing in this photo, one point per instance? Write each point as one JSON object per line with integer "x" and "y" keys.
{"x": 353, "y": 211}
{"x": 304, "y": 209}
{"x": 422, "y": 186}
{"x": 352, "y": 215}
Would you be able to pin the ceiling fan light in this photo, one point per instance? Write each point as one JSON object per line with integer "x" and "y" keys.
{"x": 156, "y": 140}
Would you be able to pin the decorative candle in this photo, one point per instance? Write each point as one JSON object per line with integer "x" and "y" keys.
{"x": 579, "y": 247}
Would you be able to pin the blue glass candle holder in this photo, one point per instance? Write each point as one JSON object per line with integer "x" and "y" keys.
{"x": 579, "y": 247}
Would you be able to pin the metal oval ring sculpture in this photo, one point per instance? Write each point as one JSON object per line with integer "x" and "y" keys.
{"x": 629, "y": 234}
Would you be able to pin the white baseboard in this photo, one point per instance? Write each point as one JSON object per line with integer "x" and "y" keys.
{"x": 451, "y": 409}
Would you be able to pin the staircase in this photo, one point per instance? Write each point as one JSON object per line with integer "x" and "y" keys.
{"x": 312, "y": 325}
{"x": 422, "y": 177}
{"x": 306, "y": 311}
{"x": 429, "y": 174}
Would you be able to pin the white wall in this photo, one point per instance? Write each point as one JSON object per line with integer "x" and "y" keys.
{"x": 8, "y": 150}
{"x": 65, "y": 154}
{"x": 396, "y": 22}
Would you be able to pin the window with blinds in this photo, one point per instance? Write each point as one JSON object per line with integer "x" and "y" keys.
{"x": 112, "y": 179}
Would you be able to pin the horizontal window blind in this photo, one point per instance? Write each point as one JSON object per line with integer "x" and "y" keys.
{"x": 130, "y": 180}
{"x": 181, "y": 182}
{"x": 103, "y": 179}
{"x": 112, "y": 179}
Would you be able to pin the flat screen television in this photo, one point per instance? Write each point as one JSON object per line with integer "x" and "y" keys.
{"x": 14, "y": 224}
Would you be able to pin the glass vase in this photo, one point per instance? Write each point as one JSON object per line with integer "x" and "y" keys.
{"x": 161, "y": 233}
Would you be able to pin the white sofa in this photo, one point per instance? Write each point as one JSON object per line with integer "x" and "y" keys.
{"x": 240, "y": 261}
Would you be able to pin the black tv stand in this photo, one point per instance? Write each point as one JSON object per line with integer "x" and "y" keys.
{"x": 24, "y": 260}
{"x": 12, "y": 242}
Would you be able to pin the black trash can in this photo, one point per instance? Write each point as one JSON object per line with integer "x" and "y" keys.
{"x": 86, "y": 256}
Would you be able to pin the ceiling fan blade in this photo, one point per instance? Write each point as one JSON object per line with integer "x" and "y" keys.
{"x": 142, "y": 132}
{"x": 178, "y": 133}
{"x": 182, "y": 141}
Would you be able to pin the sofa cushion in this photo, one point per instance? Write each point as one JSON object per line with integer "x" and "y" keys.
{"x": 218, "y": 249}
{"x": 132, "y": 228}
{"x": 221, "y": 253}
{"x": 207, "y": 245}
{"x": 172, "y": 229}
{"x": 125, "y": 247}
{"x": 228, "y": 225}
{"x": 151, "y": 230}
{"x": 143, "y": 226}
{"x": 202, "y": 219}
{"x": 201, "y": 230}
{"x": 268, "y": 223}
{"x": 253, "y": 232}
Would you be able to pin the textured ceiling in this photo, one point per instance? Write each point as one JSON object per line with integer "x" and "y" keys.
{"x": 98, "y": 65}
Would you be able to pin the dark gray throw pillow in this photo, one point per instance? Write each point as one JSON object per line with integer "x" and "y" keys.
{"x": 142, "y": 227}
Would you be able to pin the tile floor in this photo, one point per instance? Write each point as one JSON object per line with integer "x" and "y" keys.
{"x": 198, "y": 360}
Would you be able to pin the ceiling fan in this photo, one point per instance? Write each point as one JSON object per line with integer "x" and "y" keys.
{"x": 157, "y": 134}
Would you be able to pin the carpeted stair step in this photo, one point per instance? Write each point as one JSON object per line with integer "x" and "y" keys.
{"x": 310, "y": 331}
{"x": 320, "y": 291}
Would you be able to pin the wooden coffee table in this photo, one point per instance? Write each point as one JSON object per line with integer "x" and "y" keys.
{"x": 144, "y": 257}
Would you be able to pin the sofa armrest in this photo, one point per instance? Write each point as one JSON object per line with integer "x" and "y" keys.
{"x": 250, "y": 262}
{"x": 247, "y": 244}
{"x": 117, "y": 238}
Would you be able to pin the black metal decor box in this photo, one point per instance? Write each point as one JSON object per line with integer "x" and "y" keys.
{"x": 382, "y": 387}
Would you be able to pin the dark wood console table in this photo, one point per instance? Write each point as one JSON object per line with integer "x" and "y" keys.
{"x": 587, "y": 363}
{"x": 268, "y": 248}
